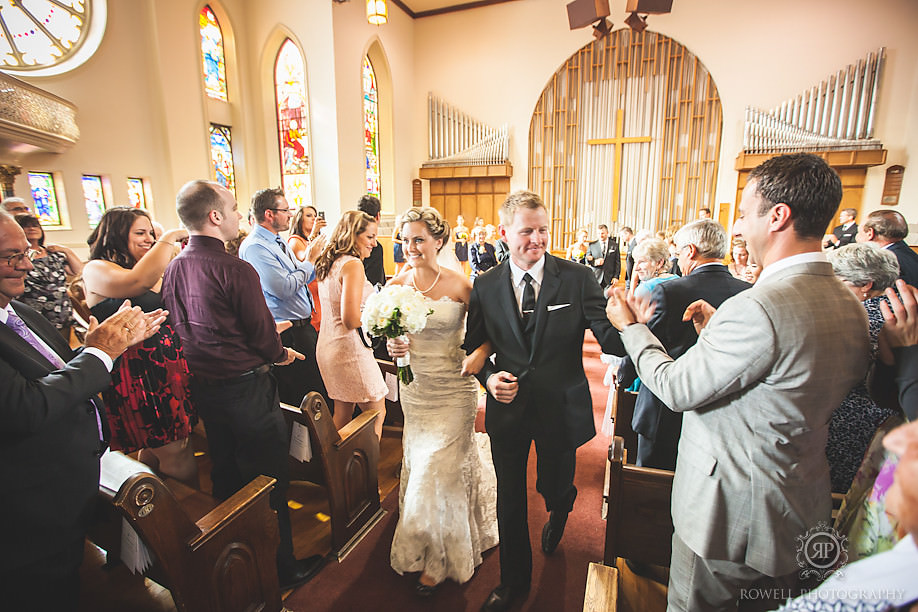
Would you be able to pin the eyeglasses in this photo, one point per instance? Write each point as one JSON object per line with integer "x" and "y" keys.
{"x": 286, "y": 210}
{"x": 17, "y": 258}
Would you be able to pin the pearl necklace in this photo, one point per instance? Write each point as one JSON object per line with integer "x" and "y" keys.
{"x": 434, "y": 284}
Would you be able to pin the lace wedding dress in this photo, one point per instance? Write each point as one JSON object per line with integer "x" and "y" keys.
{"x": 448, "y": 490}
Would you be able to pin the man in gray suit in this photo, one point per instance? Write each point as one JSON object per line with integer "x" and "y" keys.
{"x": 758, "y": 390}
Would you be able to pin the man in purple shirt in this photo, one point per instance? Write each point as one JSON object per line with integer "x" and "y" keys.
{"x": 230, "y": 342}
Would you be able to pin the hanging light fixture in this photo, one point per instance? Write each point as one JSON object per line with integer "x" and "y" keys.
{"x": 377, "y": 12}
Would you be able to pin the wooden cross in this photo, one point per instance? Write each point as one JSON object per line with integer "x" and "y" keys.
{"x": 619, "y": 140}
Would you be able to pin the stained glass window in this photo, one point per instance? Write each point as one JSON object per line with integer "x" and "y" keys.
{"x": 221, "y": 153}
{"x": 44, "y": 194}
{"x": 371, "y": 127}
{"x": 42, "y": 37}
{"x": 94, "y": 199}
{"x": 212, "y": 55}
{"x": 137, "y": 196}
{"x": 293, "y": 124}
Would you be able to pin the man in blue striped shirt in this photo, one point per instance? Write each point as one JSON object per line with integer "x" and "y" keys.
{"x": 283, "y": 282}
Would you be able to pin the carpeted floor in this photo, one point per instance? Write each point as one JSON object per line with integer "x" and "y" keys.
{"x": 365, "y": 581}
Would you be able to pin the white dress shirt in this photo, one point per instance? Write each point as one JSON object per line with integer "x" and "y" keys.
{"x": 516, "y": 275}
{"x": 793, "y": 260}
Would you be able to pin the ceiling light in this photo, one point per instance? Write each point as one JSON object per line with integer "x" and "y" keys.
{"x": 377, "y": 12}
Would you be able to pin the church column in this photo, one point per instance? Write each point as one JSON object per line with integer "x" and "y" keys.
{"x": 8, "y": 174}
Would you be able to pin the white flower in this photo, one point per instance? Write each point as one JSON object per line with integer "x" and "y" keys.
{"x": 379, "y": 312}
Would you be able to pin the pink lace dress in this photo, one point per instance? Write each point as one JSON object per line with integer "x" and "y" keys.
{"x": 348, "y": 367}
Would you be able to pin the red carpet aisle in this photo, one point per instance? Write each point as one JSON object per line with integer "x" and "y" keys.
{"x": 365, "y": 581}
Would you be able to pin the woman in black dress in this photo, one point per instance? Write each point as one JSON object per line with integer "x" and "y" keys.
{"x": 147, "y": 404}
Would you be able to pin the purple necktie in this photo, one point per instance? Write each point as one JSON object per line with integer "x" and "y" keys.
{"x": 22, "y": 330}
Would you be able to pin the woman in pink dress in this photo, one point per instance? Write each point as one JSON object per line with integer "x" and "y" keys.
{"x": 348, "y": 368}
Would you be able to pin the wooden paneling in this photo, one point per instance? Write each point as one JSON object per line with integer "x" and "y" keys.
{"x": 850, "y": 165}
{"x": 470, "y": 191}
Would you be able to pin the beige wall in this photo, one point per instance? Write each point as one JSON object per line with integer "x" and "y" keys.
{"x": 759, "y": 54}
{"x": 142, "y": 111}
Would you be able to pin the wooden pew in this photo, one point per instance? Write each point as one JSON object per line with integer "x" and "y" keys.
{"x": 348, "y": 463}
{"x": 601, "y": 589}
{"x": 225, "y": 561}
{"x": 622, "y": 415}
{"x": 639, "y": 525}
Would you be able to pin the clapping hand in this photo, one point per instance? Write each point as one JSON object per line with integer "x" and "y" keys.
{"x": 901, "y": 328}
{"x": 123, "y": 329}
{"x": 699, "y": 313}
{"x": 625, "y": 308}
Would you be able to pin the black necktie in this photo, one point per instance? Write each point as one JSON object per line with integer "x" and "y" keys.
{"x": 283, "y": 246}
{"x": 529, "y": 302}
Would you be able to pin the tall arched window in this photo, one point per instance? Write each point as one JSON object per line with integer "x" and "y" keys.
{"x": 293, "y": 123}
{"x": 219, "y": 110}
{"x": 212, "y": 56}
{"x": 371, "y": 127}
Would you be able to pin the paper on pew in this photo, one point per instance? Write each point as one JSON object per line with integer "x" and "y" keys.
{"x": 134, "y": 553}
{"x": 300, "y": 449}
{"x": 116, "y": 467}
{"x": 392, "y": 383}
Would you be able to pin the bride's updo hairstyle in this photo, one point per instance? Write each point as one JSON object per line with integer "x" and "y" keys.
{"x": 343, "y": 240}
{"x": 431, "y": 217}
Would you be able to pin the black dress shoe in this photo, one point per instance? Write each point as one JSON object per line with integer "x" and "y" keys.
{"x": 301, "y": 573}
{"x": 552, "y": 531}
{"x": 502, "y": 598}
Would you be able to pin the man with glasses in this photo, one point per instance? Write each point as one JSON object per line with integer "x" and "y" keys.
{"x": 51, "y": 434}
{"x": 15, "y": 206}
{"x": 283, "y": 282}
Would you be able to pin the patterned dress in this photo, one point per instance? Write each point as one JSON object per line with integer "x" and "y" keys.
{"x": 856, "y": 420}
{"x": 148, "y": 404}
{"x": 46, "y": 289}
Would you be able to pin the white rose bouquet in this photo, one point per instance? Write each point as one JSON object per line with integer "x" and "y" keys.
{"x": 393, "y": 312}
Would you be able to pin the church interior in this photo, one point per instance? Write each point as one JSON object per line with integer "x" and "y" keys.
{"x": 640, "y": 121}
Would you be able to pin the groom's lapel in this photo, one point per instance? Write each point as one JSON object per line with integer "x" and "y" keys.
{"x": 507, "y": 301}
{"x": 551, "y": 282}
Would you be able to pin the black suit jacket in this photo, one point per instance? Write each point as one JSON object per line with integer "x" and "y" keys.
{"x": 49, "y": 444}
{"x": 612, "y": 261}
{"x": 652, "y": 418}
{"x": 553, "y": 402}
{"x": 845, "y": 236}
{"x": 373, "y": 266}
{"x": 908, "y": 262}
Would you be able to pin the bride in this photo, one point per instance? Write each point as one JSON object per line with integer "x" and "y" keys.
{"x": 448, "y": 490}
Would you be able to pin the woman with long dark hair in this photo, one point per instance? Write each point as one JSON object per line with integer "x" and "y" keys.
{"x": 148, "y": 404}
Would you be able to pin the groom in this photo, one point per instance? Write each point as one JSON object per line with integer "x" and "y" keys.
{"x": 533, "y": 308}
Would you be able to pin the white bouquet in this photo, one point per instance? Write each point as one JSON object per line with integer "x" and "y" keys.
{"x": 393, "y": 312}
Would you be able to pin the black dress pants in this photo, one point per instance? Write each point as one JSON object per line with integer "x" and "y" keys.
{"x": 297, "y": 379}
{"x": 555, "y": 482}
{"x": 247, "y": 437}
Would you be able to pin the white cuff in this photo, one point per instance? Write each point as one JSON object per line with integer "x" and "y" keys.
{"x": 102, "y": 355}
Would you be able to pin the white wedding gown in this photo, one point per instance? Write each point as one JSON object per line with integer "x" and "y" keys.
{"x": 448, "y": 490}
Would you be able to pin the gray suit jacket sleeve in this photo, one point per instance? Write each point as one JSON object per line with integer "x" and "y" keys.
{"x": 26, "y": 405}
{"x": 735, "y": 350}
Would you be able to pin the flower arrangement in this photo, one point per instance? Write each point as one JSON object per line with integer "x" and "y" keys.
{"x": 393, "y": 312}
